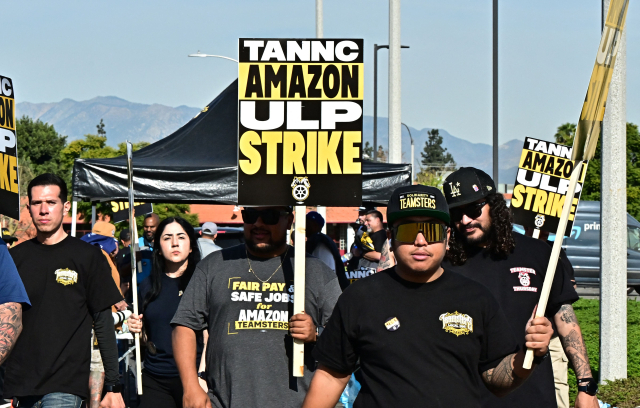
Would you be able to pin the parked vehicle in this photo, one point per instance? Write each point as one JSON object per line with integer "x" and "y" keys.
{"x": 583, "y": 246}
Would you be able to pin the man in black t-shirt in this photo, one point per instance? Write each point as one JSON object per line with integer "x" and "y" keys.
{"x": 512, "y": 266}
{"x": 366, "y": 252}
{"x": 70, "y": 287}
{"x": 424, "y": 336}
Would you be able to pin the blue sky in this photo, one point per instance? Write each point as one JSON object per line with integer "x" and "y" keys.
{"x": 137, "y": 50}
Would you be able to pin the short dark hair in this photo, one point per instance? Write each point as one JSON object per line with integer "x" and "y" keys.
{"x": 125, "y": 235}
{"x": 49, "y": 179}
{"x": 376, "y": 213}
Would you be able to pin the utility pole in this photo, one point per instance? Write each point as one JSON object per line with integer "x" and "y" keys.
{"x": 319, "y": 20}
{"x": 613, "y": 222}
{"x": 413, "y": 172}
{"x": 395, "y": 83}
{"x": 496, "y": 143}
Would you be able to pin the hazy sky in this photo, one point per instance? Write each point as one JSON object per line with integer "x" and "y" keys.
{"x": 137, "y": 50}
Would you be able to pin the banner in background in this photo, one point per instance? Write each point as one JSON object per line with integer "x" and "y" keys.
{"x": 300, "y": 121}
{"x": 121, "y": 210}
{"x": 9, "y": 184}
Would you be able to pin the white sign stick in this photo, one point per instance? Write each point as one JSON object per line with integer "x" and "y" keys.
{"x": 555, "y": 253}
{"x": 134, "y": 275}
{"x": 299, "y": 283}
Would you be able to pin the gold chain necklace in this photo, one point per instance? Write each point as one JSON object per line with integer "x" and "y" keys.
{"x": 274, "y": 272}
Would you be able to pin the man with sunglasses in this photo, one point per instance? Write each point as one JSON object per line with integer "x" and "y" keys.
{"x": 425, "y": 336}
{"x": 512, "y": 266}
{"x": 243, "y": 296}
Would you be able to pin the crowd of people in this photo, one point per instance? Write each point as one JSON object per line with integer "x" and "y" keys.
{"x": 437, "y": 308}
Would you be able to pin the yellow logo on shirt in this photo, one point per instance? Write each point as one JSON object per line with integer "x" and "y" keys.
{"x": 457, "y": 323}
{"x": 66, "y": 276}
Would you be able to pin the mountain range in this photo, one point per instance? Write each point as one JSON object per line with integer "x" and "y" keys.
{"x": 138, "y": 122}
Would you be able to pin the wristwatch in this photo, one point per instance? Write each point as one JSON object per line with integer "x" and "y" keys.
{"x": 112, "y": 388}
{"x": 591, "y": 386}
{"x": 538, "y": 360}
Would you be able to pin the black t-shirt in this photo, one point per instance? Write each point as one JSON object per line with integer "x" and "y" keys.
{"x": 516, "y": 283}
{"x": 157, "y": 318}
{"x": 450, "y": 330}
{"x": 359, "y": 267}
{"x": 67, "y": 283}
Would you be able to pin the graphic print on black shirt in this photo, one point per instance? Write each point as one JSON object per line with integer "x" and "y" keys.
{"x": 67, "y": 283}
{"x": 516, "y": 283}
{"x": 418, "y": 344}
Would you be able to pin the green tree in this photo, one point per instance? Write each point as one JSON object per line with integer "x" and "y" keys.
{"x": 39, "y": 150}
{"x": 593, "y": 178}
{"x": 100, "y": 127}
{"x": 367, "y": 150}
{"x": 434, "y": 155}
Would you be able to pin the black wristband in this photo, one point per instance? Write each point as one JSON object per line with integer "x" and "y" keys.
{"x": 112, "y": 388}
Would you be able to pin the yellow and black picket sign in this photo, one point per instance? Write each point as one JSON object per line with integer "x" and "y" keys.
{"x": 541, "y": 186}
{"x": 300, "y": 121}
{"x": 121, "y": 210}
{"x": 9, "y": 190}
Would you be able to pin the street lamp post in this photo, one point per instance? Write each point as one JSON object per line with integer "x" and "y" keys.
{"x": 201, "y": 55}
{"x": 376, "y": 47}
{"x": 413, "y": 174}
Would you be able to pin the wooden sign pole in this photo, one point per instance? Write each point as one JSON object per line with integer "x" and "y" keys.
{"x": 134, "y": 275}
{"x": 555, "y": 252}
{"x": 299, "y": 283}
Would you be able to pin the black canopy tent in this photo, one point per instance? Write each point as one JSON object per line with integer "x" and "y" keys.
{"x": 197, "y": 164}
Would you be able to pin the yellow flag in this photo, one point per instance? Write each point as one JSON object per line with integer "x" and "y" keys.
{"x": 588, "y": 131}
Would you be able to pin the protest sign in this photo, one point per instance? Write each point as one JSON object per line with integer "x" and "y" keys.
{"x": 541, "y": 185}
{"x": 9, "y": 190}
{"x": 300, "y": 122}
{"x": 121, "y": 210}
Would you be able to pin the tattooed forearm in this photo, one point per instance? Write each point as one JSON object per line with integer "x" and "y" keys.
{"x": 576, "y": 351}
{"x": 572, "y": 341}
{"x": 502, "y": 379}
{"x": 96, "y": 380}
{"x": 10, "y": 327}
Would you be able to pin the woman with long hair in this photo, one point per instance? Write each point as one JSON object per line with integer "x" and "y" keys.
{"x": 175, "y": 255}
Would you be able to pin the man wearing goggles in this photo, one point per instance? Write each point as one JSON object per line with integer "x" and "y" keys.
{"x": 483, "y": 247}
{"x": 243, "y": 296}
{"x": 420, "y": 332}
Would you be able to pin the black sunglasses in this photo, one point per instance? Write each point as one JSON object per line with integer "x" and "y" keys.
{"x": 269, "y": 217}
{"x": 471, "y": 211}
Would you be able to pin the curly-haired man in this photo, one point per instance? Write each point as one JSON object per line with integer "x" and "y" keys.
{"x": 483, "y": 247}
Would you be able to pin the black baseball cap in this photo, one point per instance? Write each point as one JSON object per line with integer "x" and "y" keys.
{"x": 418, "y": 200}
{"x": 467, "y": 185}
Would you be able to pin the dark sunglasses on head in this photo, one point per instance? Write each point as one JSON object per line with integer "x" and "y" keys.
{"x": 471, "y": 211}
{"x": 269, "y": 217}
{"x": 432, "y": 232}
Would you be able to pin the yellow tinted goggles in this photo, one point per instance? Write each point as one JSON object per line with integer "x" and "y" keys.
{"x": 432, "y": 232}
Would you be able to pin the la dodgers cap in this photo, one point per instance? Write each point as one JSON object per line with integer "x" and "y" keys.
{"x": 467, "y": 185}
{"x": 417, "y": 200}
{"x": 316, "y": 217}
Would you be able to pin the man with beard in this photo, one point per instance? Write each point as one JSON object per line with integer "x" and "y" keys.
{"x": 150, "y": 225}
{"x": 484, "y": 248}
{"x": 243, "y": 297}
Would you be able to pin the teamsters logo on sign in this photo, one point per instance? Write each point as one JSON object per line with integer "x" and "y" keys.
{"x": 541, "y": 185}
{"x": 9, "y": 191}
{"x": 300, "y": 121}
